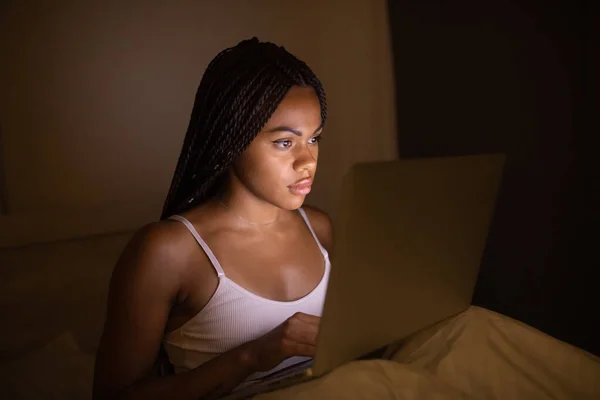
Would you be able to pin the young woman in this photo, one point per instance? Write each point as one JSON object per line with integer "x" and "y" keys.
{"x": 231, "y": 281}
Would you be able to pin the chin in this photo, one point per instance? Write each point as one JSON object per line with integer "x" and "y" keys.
{"x": 292, "y": 203}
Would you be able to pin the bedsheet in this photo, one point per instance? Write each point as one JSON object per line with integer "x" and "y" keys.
{"x": 478, "y": 354}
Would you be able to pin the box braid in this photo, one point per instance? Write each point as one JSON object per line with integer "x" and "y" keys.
{"x": 240, "y": 90}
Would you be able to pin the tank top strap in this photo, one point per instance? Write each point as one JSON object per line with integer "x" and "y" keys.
{"x": 323, "y": 250}
{"x": 215, "y": 263}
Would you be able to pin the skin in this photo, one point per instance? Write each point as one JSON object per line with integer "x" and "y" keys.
{"x": 163, "y": 278}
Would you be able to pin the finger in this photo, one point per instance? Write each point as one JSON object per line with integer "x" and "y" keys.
{"x": 301, "y": 350}
{"x": 303, "y": 333}
{"x": 308, "y": 318}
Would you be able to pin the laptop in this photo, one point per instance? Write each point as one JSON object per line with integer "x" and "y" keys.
{"x": 408, "y": 247}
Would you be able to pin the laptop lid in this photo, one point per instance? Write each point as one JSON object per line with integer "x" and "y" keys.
{"x": 407, "y": 250}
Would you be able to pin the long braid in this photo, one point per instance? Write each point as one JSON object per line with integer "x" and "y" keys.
{"x": 240, "y": 90}
{"x": 203, "y": 95}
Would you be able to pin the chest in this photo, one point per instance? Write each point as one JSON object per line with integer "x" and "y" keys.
{"x": 277, "y": 267}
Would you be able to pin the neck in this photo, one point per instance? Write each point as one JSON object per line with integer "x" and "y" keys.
{"x": 249, "y": 208}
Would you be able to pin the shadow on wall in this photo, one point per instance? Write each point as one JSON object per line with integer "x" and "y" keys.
{"x": 3, "y": 192}
{"x": 96, "y": 100}
{"x": 508, "y": 76}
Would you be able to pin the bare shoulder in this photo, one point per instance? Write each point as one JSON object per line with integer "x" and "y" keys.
{"x": 322, "y": 225}
{"x": 159, "y": 250}
{"x": 145, "y": 283}
{"x": 163, "y": 241}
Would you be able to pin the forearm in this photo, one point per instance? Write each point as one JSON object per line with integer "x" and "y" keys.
{"x": 210, "y": 380}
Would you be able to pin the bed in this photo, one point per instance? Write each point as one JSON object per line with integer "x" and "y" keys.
{"x": 52, "y": 300}
{"x": 53, "y": 297}
{"x": 478, "y": 354}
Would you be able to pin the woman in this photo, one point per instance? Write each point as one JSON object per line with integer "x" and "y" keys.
{"x": 232, "y": 280}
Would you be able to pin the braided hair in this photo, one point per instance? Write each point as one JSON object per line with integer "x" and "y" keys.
{"x": 240, "y": 90}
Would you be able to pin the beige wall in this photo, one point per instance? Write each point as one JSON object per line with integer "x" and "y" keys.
{"x": 96, "y": 99}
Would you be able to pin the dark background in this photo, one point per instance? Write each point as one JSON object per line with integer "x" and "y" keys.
{"x": 518, "y": 77}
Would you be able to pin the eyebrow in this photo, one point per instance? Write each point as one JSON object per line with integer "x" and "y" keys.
{"x": 296, "y": 132}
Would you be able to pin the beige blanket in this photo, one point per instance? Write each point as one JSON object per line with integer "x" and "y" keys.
{"x": 475, "y": 355}
{"x": 478, "y": 354}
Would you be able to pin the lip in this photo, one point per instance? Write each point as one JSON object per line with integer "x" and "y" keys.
{"x": 302, "y": 187}
{"x": 304, "y": 181}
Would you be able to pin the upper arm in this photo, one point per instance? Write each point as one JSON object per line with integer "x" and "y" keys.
{"x": 322, "y": 226}
{"x": 143, "y": 287}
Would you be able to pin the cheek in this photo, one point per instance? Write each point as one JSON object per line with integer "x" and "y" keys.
{"x": 263, "y": 171}
{"x": 271, "y": 173}
{"x": 315, "y": 152}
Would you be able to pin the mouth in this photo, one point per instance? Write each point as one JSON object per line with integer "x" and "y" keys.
{"x": 302, "y": 187}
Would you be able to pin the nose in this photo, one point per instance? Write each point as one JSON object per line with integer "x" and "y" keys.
{"x": 306, "y": 158}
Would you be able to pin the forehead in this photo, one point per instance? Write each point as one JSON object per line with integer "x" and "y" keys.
{"x": 299, "y": 108}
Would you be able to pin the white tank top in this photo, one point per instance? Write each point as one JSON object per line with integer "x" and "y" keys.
{"x": 234, "y": 316}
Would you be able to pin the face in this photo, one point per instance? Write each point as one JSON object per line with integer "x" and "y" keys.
{"x": 280, "y": 164}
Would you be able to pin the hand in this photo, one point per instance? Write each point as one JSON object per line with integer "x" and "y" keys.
{"x": 297, "y": 336}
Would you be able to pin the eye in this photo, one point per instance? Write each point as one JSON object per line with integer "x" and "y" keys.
{"x": 315, "y": 139}
{"x": 284, "y": 144}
